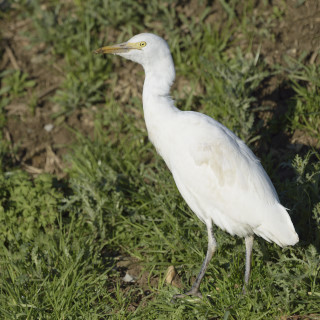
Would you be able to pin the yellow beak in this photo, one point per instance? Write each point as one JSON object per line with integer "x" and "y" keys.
{"x": 118, "y": 48}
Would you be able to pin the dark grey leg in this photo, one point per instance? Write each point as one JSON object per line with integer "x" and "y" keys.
{"x": 212, "y": 244}
{"x": 249, "y": 244}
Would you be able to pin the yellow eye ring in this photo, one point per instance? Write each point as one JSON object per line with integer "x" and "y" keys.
{"x": 143, "y": 44}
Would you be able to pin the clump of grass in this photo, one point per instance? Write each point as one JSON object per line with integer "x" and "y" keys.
{"x": 304, "y": 194}
{"x": 304, "y": 111}
{"x": 231, "y": 84}
{"x": 45, "y": 253}
{"x": 27, "y": 207}
{"x": 14, "y": 85}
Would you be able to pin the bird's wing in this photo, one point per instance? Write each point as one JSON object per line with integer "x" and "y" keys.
{"x": 223, "y": 181}
{"x": 233, "y": 165}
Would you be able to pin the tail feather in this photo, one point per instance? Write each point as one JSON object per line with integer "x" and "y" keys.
{"x": 277, "y": 227}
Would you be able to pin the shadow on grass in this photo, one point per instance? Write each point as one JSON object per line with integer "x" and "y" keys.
{"x": 296, "y": 177}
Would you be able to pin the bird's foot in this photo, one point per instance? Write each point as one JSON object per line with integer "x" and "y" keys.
{"x": 192, "y": 292}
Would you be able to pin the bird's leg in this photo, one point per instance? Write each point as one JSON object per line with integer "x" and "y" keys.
{"x": 194, "y": 291}
{"x": 249, "y": 244}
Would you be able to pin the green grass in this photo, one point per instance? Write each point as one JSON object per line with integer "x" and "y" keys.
{"x": 60, "y": 240}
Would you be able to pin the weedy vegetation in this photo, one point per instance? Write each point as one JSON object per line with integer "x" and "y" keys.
{"x": 62, "y": 238}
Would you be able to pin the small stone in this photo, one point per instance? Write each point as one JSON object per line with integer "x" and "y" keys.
{"x": 171, "y": 273}
{"x": 128, "y": 278}
{"x": 48, "y": 127}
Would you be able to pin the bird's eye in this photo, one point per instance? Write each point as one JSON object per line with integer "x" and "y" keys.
{"x": 143, "y": 44}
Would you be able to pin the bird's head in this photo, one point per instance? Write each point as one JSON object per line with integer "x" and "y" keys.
{"x": 144, "y": 48}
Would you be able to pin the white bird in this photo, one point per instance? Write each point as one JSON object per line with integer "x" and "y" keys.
{"x": 218, "y": 176}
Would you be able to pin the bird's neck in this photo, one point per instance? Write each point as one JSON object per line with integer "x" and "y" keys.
{"x": 157, "y": 84}
{"x": 159, "y": 77}
{"x": 158, "y": 107}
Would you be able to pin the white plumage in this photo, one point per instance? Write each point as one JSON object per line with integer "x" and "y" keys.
{"x": 216, "y": 173}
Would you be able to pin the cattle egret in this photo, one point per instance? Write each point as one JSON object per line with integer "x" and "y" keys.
{"x": 216, "y": 173}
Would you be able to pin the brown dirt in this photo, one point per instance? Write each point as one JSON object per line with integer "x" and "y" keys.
{"x": 40, "y": 139}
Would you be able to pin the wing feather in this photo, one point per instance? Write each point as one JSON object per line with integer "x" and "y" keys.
{"x": 233, "y": 165}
